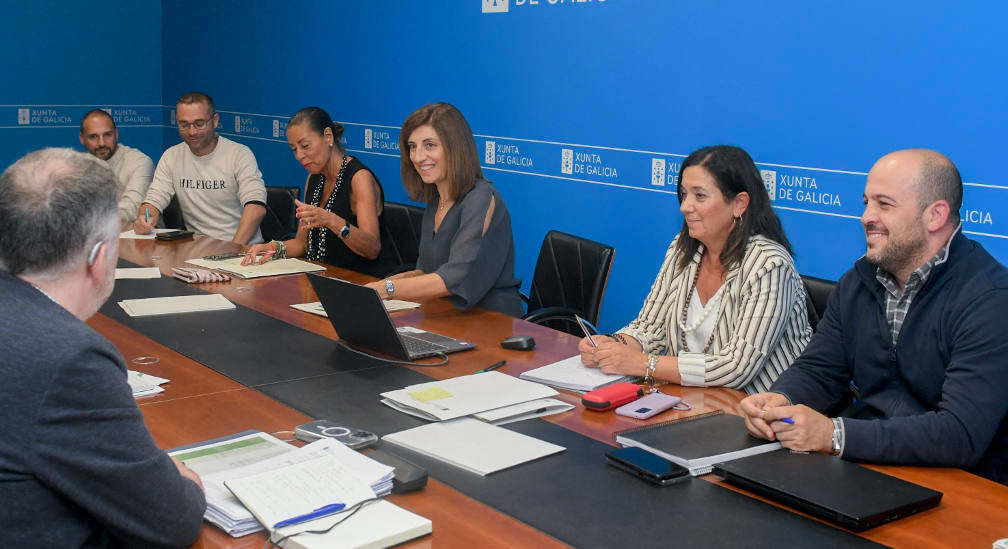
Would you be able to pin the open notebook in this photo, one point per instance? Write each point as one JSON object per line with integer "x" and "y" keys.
{"x": 573, "y": 375}
{"x": 270, "y": 268}
{"x": 300, "y": 488}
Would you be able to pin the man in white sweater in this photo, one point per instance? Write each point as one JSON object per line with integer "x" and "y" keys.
{"x": 217, "y": 181}
{"x": 133, "y": 169}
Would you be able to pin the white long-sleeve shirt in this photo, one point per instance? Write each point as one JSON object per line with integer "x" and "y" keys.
{"x": 134, "y": 171}
{"x": 212, "y": 189}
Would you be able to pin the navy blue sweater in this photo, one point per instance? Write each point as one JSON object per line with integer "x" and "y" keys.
{"x": 940, "y": 395}
{"x": 78, "y": 467}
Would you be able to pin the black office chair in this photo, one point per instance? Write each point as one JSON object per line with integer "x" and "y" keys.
{"x": 280, "y": 221}
{"x": 402, "y": 230}
{"x": 172, "y": 215}
{"x": 817, "y": 291}
{"x": 569, "y": 279}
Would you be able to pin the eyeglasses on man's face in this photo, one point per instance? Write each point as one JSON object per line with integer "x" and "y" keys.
{"x": 199, "y": 123}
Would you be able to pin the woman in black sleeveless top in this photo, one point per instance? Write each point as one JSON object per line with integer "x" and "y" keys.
{"x": 341, "y": 218}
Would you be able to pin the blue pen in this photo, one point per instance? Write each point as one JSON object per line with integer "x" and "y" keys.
{"x": 323, "y": 511}
{"x": 787, "y": 420}
{"x": 147, "y": 214}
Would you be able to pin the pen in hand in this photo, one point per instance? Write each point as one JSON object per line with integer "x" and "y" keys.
{"x": 492, "y": 367}
{"x": 584, "y": 328}
{"x": 147, "y": 215}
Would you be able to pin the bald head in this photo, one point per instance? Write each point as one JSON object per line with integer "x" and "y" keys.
{"x": 54, "y": 205}
{"x": 933, "y": 176}
{"x": 96, "y": 114}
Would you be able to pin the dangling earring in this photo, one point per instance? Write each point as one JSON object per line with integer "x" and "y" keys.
{"x": 735, "y": 222}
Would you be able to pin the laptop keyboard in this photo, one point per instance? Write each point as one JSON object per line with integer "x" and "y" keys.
{"x": 416, "y": 345}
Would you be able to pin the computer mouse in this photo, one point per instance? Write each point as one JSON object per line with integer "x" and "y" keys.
{"x": 519, "y": 343}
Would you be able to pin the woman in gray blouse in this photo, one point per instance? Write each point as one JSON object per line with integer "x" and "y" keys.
{"x": 466, "y": 247}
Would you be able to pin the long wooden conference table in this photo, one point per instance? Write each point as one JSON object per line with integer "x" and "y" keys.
{"x": 269, "y": 367}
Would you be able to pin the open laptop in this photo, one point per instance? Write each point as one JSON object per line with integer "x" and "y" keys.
{"x": 839, "y": 491}
{"x": 359, "y": 317}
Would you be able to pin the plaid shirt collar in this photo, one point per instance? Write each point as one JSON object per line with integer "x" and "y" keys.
{"x": 898, "y": 302}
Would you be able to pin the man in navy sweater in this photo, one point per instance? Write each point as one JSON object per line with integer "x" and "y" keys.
{"x": 78, "y": 467}
{"x": 914, "y": 332}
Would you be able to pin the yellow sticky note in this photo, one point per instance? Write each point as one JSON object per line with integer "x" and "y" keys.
{"x": 433, "y": 393}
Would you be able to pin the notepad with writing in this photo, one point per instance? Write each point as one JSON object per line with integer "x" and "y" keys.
{"x": 280, "y": 494}
{"x": 697, "y": 442}
{"x": 572, "y": 375}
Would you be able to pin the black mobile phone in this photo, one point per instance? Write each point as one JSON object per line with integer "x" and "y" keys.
{"x": 645, "y": 465}
{"x": 173, "y": 235}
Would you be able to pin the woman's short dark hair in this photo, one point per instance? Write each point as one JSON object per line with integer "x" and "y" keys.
{"x": 460, "y": 151}
{"x": 734, "y": 171}
{"x": 318, "y": 120}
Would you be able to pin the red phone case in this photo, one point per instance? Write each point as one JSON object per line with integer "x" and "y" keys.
{"x": 611, "y": 396}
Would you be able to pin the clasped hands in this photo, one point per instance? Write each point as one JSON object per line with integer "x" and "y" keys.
{"x": 807, "y": 431}
{"x": 612, "y": 357}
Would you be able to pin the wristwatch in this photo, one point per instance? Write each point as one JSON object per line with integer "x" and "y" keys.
{"x": 389, "y": 287}
{"x": 345, "y": 231}
{"x": 837, "y": 437}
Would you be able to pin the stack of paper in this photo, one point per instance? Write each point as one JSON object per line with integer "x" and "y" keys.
{"x": 137, "y": 272}
{"x": 572, "y": 375}
{"x": 255, "y": 453}
{"x": 473, "y": 445}
{"x": 176, "y": 304}
{"x": 144, "y": 384}
{"x": 275, "y": 267}
{"x": 464, "y": 395}
{"x": 391, "y": 305}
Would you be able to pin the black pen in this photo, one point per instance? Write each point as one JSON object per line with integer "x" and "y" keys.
{"x": 492, "y": 367}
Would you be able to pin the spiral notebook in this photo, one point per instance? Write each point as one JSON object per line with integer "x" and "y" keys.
{"x": 697, "y": 442}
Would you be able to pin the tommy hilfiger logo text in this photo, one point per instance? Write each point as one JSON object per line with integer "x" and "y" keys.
{"x": 203, "y": 184}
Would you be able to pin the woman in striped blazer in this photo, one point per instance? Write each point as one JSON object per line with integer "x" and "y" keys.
{"x": 728, "y": 307}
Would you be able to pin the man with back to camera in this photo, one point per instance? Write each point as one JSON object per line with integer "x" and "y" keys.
{"x": 133, "y": 169}
{"x": 217, "y": 181}
{"x": 78, "y": 467}
{"x": 913, "y": 331}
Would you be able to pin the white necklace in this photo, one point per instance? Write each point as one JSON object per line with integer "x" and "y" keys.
{"x": 712, "y": 305}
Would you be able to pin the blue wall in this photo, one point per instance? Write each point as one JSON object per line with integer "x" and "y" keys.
{"x": 586, "y": 107}
{"x": 61, "y": 59}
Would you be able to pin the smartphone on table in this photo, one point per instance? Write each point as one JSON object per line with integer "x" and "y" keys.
{"x": 173, "y": 235}
{"x": 354, "y": 438}
{"x": 647, "y": 466}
